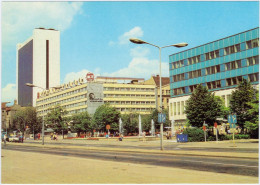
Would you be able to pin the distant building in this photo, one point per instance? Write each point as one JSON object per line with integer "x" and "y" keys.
{"x": 79, "y": 96}
{"x": 38, "y": 62}
{"x": 155, "y": 80}
{"x": 8, "y": 114}
{"x": 219, "y": 65}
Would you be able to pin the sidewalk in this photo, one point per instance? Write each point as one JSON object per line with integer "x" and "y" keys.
{"x": 34, "y": 168}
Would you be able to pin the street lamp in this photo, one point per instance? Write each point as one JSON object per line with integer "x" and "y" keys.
{"x": 32, "y": 85}
{"x": 179, "y": 45}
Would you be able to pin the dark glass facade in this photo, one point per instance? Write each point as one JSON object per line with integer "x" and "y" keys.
{"x": 25, "y": 74}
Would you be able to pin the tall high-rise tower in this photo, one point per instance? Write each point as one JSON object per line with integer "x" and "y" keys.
{"x": 38, "y": 62}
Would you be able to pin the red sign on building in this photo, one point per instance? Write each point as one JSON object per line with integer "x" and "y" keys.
{"x": 89, "y": 77}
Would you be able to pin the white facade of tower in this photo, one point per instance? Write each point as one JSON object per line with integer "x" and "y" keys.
{"x": 42, "y": 51}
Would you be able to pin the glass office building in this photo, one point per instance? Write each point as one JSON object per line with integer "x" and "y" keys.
{"x": 218, "y": 65}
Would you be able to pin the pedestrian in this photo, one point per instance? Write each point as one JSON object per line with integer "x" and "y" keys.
{"x": 143, "y": 136}
{"x": 51, "y": 136}
{"x": 5, "y": 136}
{"x": 21, "y": 138}
{"x": 39, "y": 136}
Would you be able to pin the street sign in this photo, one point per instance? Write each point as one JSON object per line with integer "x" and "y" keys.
{"x": 204, "y": 127}
{"x": 219, "y": 119}
{"x": 107, "y": 127}
{"x": 161, "y": 118}
{"x": 215, "y": 125}
{"x": 232, "y": 118}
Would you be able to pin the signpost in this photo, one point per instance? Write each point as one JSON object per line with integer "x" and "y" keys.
{"x": 204, "y": 128}
{"x": 216, "y": 127}
{"x": 108, "y": 127}
{"x": 161, "y": 120}
{"x": 232, "y": 119}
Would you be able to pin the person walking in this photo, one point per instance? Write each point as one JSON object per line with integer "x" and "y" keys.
{"x": 5, "y": 136}
{"x": 39, "y": 136}
{"x": 144, "y": 136}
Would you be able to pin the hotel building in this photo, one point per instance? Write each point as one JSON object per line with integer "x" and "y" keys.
{"x": 218, "y": 65}
{"x": 80, "y": 95}
{"x": 38, "y": 62}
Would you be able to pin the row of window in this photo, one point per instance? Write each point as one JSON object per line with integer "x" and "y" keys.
{"x": 63, "y": 95}
{"x": 217, "y": 84}
{"x": 232, "y": 49}
{"x": 212, "y": 55}
{"x": 216, "y": 53}
{"x": 134, "y": 109}
{"x": 63, "y": 101}
{"x": 128, "y": 95}
{"x": 216, "y": 69}
{"x": 128, "y": 89}
{"x": 130, "y": 102}
{"x": 177, "y": 108}
{"x": 77, "y": 111}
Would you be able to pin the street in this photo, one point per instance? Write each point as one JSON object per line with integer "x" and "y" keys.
{"x": 193, "y": 157}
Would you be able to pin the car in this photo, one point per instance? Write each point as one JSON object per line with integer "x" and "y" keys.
{"x": 13, "y": 139}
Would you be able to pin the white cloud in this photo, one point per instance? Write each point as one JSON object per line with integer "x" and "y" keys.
{"x": 75, "y": 75}
{"x": 9, "y": 93}
{"x": 124, "y": 39}
{"x": 20, "y": 18}
{"x": 141, "y": 67}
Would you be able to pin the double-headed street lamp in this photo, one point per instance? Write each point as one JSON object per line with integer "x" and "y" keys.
{"x": 179, "y": 45}
{"x": 32, "y": 85}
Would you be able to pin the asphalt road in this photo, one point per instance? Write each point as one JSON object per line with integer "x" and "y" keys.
{"x": 171, "y": 146}
{"x": 239, "y": 166}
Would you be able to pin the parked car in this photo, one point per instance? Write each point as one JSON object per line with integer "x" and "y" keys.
{"x": 13, "y": 139}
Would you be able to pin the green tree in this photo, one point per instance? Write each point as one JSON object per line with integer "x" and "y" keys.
{"x": 253, "y": 124}
{"x": 202, "y": 106}
{"x": 56, "y": 119}
{"x": 27, "y": 117}
{"x": 81, "y": 122}
{"x": 106, "y": 115}
{"x": 130, "y": 122}
{"x": 239, "y": 102}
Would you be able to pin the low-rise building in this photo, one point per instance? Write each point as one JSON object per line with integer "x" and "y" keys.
{"x": 80, "y": 95}
{"x": 155, "y": 80}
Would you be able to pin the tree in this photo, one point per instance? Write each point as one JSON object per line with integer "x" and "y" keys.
{"x": 239, "y": 102}
{"x": 56, "y": 119}
{"x": 202, "y": 106}
{"x": 252, "y": 125}
{"x": 106, "y": 115}
{"x": 81, "y": 122}
{"x": 130, "y": 122}
{"x": 27, "y": 117}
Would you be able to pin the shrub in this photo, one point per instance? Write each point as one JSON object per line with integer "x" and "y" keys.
{"x": 194, "y": 134}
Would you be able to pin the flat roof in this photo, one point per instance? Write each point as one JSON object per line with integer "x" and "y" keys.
{"x": 118, "y": 78}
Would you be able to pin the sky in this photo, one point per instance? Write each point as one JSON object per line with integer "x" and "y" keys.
{"x": 94, "y": 36}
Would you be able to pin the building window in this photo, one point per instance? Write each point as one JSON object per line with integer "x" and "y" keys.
{"x": 233, "y": 65}
{"x": 252, "y": 44}
{"x": 253, "y": 77}
{"x": 253, "y": 60}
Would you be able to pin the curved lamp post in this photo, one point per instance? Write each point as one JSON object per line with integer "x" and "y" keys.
{"x": 32, "y": 85}
{"x": 179, "y": 45}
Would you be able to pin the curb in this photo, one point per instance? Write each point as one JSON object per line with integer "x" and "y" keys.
{"x": 185, "y": 153}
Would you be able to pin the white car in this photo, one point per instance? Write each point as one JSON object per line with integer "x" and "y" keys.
{"x": 13, "y": 139}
